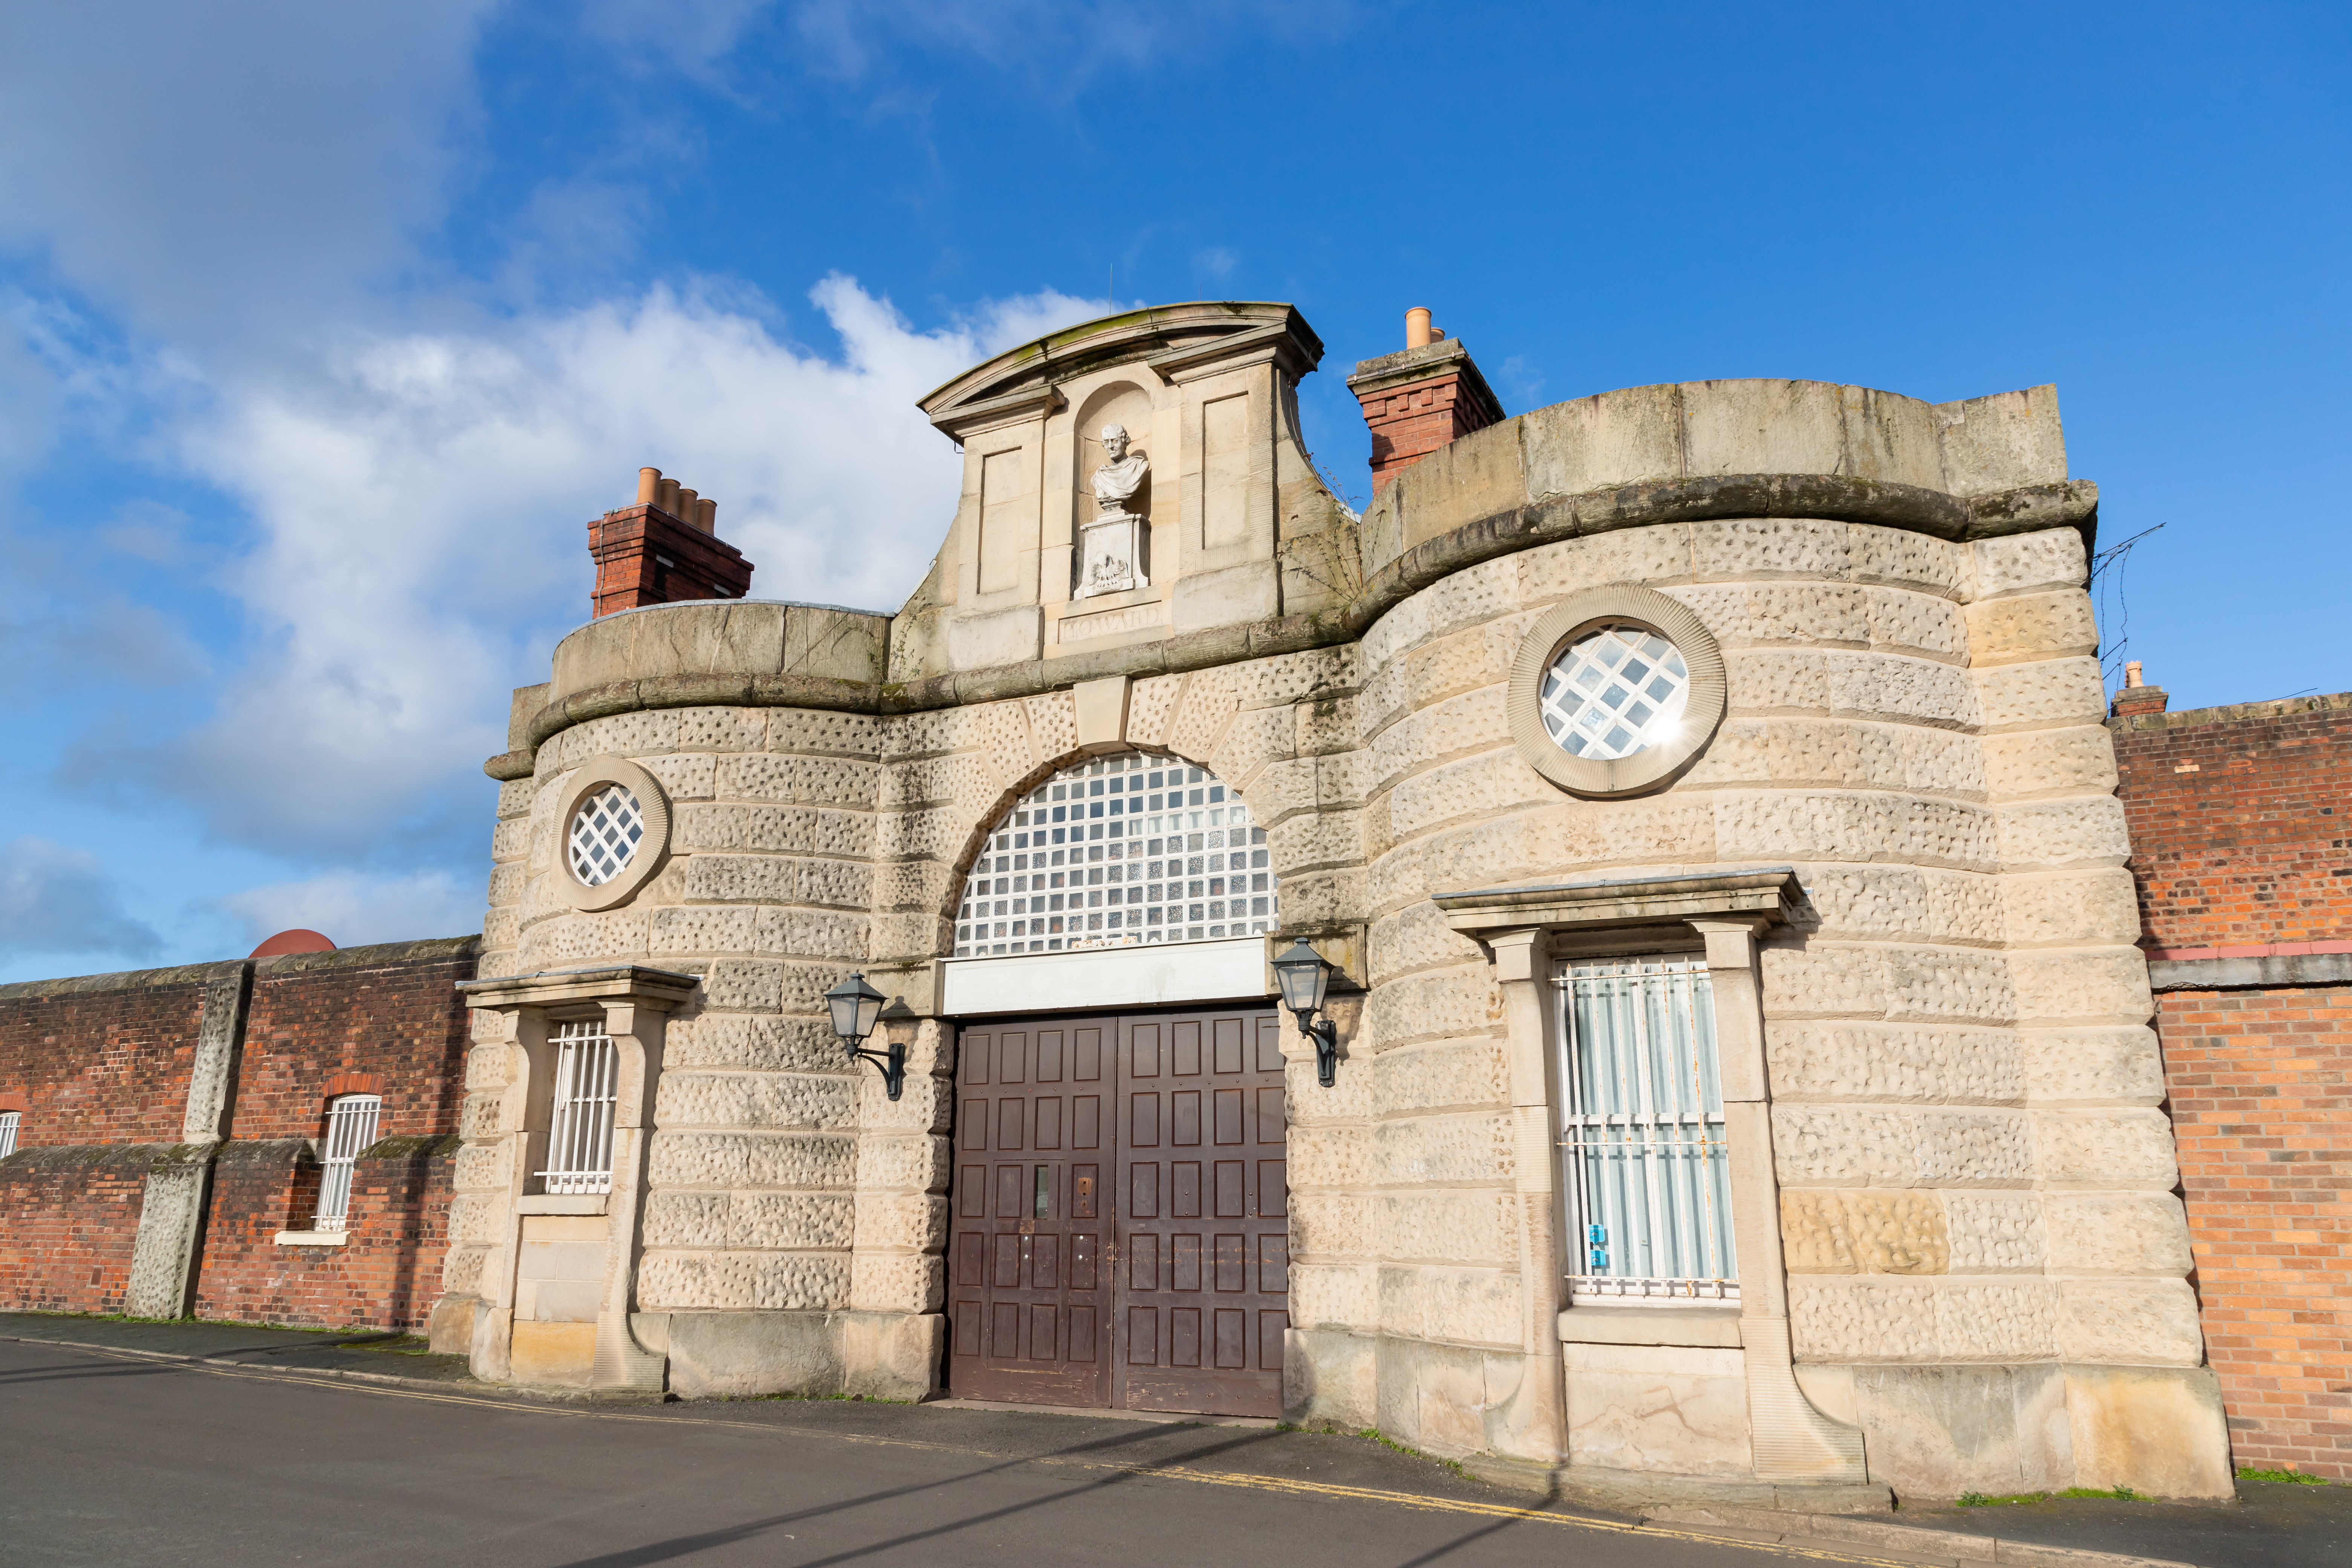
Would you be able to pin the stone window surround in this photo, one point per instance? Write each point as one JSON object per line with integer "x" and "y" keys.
{"x": 597, "y": 774}
{"x": 635, "y": 1002}
{"x": 1565, "y": 622}
{"x": 1524, "y": 931}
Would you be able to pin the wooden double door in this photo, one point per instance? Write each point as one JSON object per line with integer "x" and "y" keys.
{"x": 1121, "y": 1233}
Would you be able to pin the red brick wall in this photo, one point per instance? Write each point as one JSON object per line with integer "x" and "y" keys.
{"x": 386, "y": 1273}
{"x": 103, "y": 1059}
{"x": 2260, "y": 1082}
{"x": 318, "y": 1016}
{"x": 68, "y": 1216}
{"x": 2241, "y": 823}
{"x": 104, "y": 1062}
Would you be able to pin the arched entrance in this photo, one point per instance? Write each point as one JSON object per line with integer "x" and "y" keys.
{"x": 1120, "y": 1232}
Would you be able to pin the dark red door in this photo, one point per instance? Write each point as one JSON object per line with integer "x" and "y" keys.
{"x": 1030, "y": 1295}
{"x": 1203, "y": 1232}
{"x": 1121, "y": 1232}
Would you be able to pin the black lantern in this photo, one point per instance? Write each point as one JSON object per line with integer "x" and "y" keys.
{"x": 856, "y": 1005}
{"x": 1303, "y": 976}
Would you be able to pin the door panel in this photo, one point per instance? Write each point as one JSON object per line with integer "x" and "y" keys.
{"x": 1121, "y": 1234}
{"x": 1029, "y": 1238}
{"x": 1202, "y": 1214}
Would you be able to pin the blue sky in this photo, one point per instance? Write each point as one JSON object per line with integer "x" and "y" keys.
{"x": 324, "y": 329}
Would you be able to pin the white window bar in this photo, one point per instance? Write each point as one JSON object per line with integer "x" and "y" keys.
{"x": 8, "y": 1132}
{"x": 1118, "y": 852}
{"x": 580, "y": 1130}
{"x": 350, "y": 1127}
{"x": 1642, "y": 1133}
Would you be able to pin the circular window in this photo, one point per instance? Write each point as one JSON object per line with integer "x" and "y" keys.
{"x": 1614, "y": 691}
{"x": 605, "y": 832}
{"x": 615, "y": 833}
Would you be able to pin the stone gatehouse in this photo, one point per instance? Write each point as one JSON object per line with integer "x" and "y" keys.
{"x": 1700, "y": 798}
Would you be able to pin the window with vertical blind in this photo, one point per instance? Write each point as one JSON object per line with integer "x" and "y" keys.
{"x": 8, "y": 1120}
{"x": 1642, "y": 1158}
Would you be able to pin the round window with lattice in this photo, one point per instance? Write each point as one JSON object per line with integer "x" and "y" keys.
{"x": 1615, "y": 691}
{"x": 615, "y": 833}
{"x": 605, "y": 832}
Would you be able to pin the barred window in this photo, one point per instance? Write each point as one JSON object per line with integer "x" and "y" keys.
{"x": 1118, "y": 852}
{"x": 8, "y": 1133}
{"x": 1642, "y": 1133}
{"x": 579, "y": 1126}
{"x": 350, "y": 1127}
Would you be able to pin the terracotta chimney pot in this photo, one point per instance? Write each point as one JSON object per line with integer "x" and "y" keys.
{"x": 648, "y": 486}
{"x": 1418, "y": 331}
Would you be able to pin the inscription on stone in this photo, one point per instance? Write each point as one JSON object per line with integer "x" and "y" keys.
{"x": 1110, "y": 623}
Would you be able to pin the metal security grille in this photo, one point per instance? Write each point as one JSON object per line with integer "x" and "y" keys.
{"x": 350, "y": 1127}
{"x": 580, "y": 1130}
{"x": 1615, "y": 692}
{"x": 1642, "y": 1133}
{"x": 605, "y": 834}
{"x": 1115, "y": 853}
{"x": 8, "y": 1132}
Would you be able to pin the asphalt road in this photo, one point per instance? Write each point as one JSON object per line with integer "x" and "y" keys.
{"x": 113, "y": 1459}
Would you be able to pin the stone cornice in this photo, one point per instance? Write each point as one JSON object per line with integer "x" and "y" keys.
{"x": 1832, "y": 498}
{"x": 1767, "y": 893}
{"x": 598, "y": 983}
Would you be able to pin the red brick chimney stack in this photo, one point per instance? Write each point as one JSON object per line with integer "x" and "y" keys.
{"x": 2135, "y": 698}
{"x": 663, "y": 549}
{"x": 1416, "y": 401}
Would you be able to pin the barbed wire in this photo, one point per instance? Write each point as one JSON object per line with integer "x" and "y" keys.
{"x": 2109, "y": 569}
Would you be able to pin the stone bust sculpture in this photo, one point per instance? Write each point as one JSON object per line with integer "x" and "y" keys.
{"x": 1116, "y": 482}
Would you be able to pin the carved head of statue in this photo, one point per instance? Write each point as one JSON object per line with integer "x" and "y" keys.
{"x": 1114, "y": 442}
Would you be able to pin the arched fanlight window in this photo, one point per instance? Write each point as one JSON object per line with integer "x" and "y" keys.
{"x": 1117, "y": 852}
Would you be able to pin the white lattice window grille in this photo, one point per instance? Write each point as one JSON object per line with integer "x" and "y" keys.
{"x": 1118, "y": 852}
{"x": 605, "y": 834}
{"x": 1614, "y": 691}
{"x": 350, "y": 1127}
{"x": 1643, "y": 1154}
{"x": 580, "y": 1125}
{"x": 8, "y": 1120}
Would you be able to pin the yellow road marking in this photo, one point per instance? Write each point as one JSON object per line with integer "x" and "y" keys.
{"x": 1418, "y": 1500}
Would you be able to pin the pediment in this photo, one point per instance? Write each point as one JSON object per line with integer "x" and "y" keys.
{"x": 1176, "y": 341}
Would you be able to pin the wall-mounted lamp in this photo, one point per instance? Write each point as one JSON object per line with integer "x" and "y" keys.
{"x": 856, "y": 1005}
{"x": 1303, "y": 976}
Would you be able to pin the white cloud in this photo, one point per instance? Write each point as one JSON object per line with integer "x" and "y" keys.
{"x": 422, "y": 501}
{"x": 56, "y": 899}
{"x": 351, "y": 908}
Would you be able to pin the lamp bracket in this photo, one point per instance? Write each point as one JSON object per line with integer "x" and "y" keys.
{"x": 892, "y": 1063}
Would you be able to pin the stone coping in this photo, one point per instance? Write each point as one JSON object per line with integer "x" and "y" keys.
{"x": 1767, "y": 893}
{"x": 1834, "y": 498}
{"x": 2232, "y": 713}
{"x": 2281, "y": 972}
{"x": 284, "y": 964}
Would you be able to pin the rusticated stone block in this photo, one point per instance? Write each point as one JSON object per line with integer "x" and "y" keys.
{"x": 738, "y": 1281}
{"x": 685, "y": 775}
{"x": 484, "y": 1167}
{"x": 2114, "y": 1148}
{"x": 815, "y": 729}
{"x": 1818, "y": 824}
{"x": 900, "y": 1282}
{"x": 852, "y": 781}
{"x": 1899, "y": 557}
{"x": 761, "y": 1044}
{"x": 1654, "y": 556}
{"x": 745, "y": 985}
{"x": 702, "y": 929}
{"x": 1914, "y": 622}
{"x": 1149, "y": 704}
{"x": 2082, "y": 986}
{"x": 2022, "y": 562}
{"x": 732, "y": 1160}
{"x": 1444, "y": 1149}
{"x": 2129, "y": 1321}
{"x": 2055, "y": 835}
{"x": 1334, "y": 1295}
{"x": 2040, "y": 694}
{"x": 1463, "y": 1074}
{"x": 776, "y": 1100}
{"x": 1747, "y": 547}
{"x": 1469, "y": 790}
{"x": 787, "y": 830}
{"x": 796, "y": 1221}
{"x": 2103, "y": 1067}
{"x": 1449, "y": 1305}
{"x": 1440, "y": 1004}
{"x": 1930, "y": 984}
{"x": 1847, "y": 1146}
{"x": 909, "y": 1161}
{"x": 1894, "y": 1061}
{"x": 1956, "y": 1320}
{"x": 1864, "y": 1232}
{"x": 2032, "y": 625}
{"x": 2084, "y": 909}
{"x": 2119, "y": 1233}
{"x": 1335, "y": 1158}
{"x": 917, "y": 1222}
{"x": 2034, "y": 765}
{"x": 1880, "y": 903}
{"x": 1994, "y": 1232}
